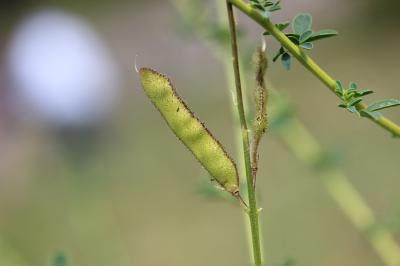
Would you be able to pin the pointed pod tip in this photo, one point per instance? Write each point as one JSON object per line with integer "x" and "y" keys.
{"x": 141, "y": 70}
{"x": 136, "y": 67}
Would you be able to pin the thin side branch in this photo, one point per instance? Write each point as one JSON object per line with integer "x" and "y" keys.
{"x": 253, "y": 213}
{"x": 306, "y": 61}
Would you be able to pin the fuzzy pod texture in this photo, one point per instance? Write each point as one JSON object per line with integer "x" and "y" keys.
{"x": 188, "y": 128}
{"x": 261, "y": 96}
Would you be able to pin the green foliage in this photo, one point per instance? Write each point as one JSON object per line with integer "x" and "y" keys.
{"x": 281, "y": 26}
{"x": 302, "y": 23}
{"x": 350, "y": 97}
{"x": 302, "y": 35}
{"x": 266, "y": 7}
{"x": 188, "y": 128}
{"x": 371, "y": 110}
{"x": 286, "y": 58}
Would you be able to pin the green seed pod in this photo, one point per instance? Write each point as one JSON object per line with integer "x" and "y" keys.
{"x": 196, "y": 137}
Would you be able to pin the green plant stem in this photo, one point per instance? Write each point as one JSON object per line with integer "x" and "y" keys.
{"x": 224, "y": 56}
{"x": 253, "y": 212}
{"x": 306, "y": 148}
{"x": 306, "y": 61}
{"x": 221, "y": 52}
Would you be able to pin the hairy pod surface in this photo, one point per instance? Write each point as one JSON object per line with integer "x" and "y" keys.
{"x": 261, "y": 96}
{"x": 188, "y": 128}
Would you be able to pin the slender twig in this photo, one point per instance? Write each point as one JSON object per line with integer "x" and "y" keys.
{"x": 253, "y": 212}
{"x": 306, "y": 61}
{"x": 297, "y": 138}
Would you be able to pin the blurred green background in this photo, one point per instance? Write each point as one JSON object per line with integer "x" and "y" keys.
{"x": 124, "y": 191}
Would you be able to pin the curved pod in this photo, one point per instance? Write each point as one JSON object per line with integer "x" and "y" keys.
{"x": 188, "y": 128}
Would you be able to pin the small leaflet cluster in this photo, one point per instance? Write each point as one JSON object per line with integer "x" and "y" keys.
{"x": 302, "y": 35}
{"x": 352, "y": 96}
{"x": 266, "y": 7}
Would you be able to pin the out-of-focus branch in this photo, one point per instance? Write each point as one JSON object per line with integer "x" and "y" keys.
{"x": 306, "y": 148}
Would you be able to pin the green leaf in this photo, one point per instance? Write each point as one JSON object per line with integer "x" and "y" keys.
{"x": 276, "y": 7}
{"x": 383, "y": 104}
{"x": 352, "y": 109}
{"x": 265, "y": 7}
{"x": 304, "y": 36}
{"x": 302, "y": 23}
{"x": 294, "y": 38}
{"x": 339, "y": 87}
{"x": 363, "y": 92}
{"x": 282, "y": 26}
{"x": 256, "y": 4}
{"x": 374, "y": 115}
{"x": 280, "y": 52}
{"x": 353, "y": 86}
{"x": 286, "y": 60}
{"x": 354, "y": 101}
{"x": 292, "y": 35}
{"x": 322, "y": 34}
{"x": 307, "y": 45}
{"x": 348, "y": 94}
